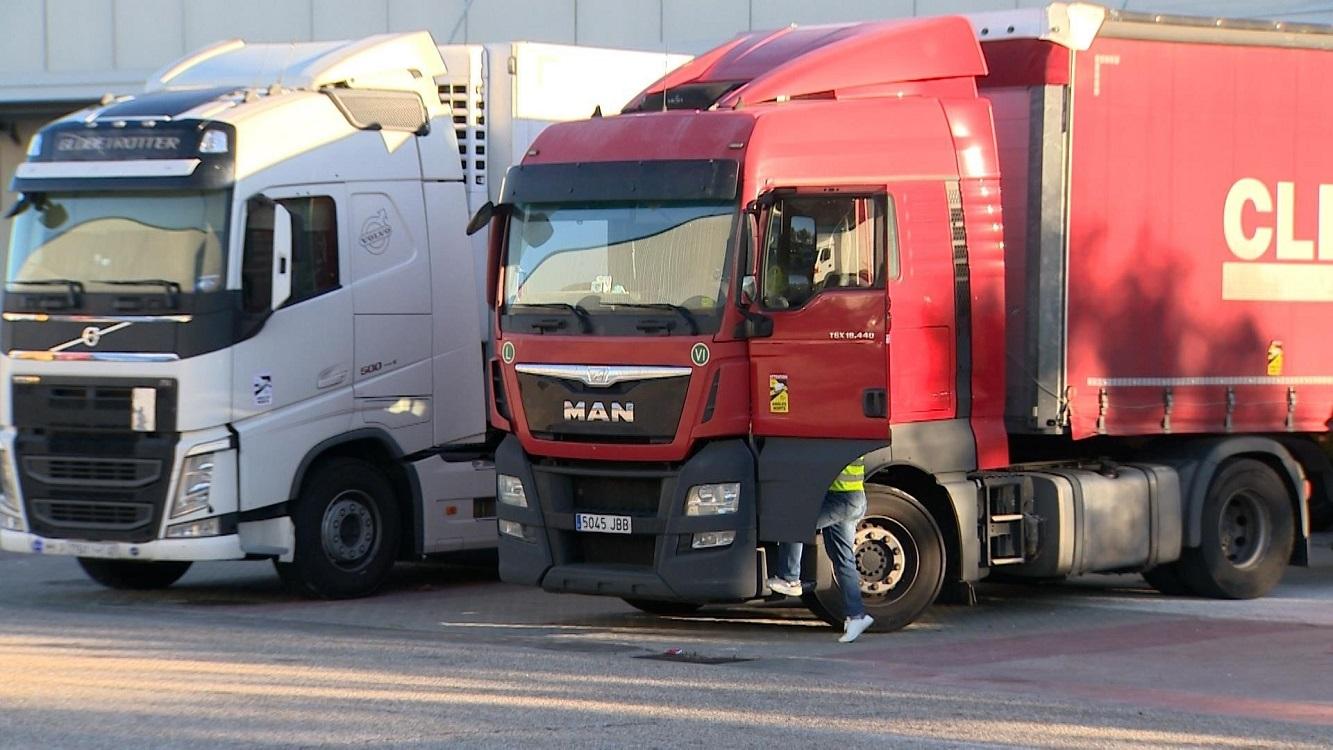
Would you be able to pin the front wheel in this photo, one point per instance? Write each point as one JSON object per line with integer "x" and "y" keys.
{"x": 133, "y": 575}
{"x": 900, "y": 556}
{"x": 1247, "y": 534}
{"x": 346, "y": 531}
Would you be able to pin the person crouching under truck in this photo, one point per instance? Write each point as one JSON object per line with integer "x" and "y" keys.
{"x": 843, "y": 506}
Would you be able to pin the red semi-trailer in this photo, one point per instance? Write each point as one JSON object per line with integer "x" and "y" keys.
{"x": 1060, "y": 276}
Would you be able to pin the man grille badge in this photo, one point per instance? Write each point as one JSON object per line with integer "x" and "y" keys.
{"x": 598, "y": 376}
{"x": 91, "y": 336}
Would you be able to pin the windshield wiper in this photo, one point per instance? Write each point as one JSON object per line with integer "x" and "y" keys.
{"x": 580, "y": 312}
{"x": 169, "y": 288}
{"x": 73, "y": 289}
{"x": 681, "y": 309}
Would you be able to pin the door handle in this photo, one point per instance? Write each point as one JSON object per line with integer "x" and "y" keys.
{"x": 331, "y": 377}
{"x": 875, "y": 403}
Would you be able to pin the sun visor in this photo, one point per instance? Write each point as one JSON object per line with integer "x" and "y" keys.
{"x": 665, "y": 180}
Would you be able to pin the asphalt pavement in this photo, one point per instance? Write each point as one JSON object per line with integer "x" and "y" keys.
{"x": 447, "y": 656}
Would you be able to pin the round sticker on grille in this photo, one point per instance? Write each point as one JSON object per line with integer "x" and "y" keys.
{"x": 699, "y": 355}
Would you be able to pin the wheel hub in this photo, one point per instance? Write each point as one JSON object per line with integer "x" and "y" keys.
{"x": 880, "y": 560}
{"x": 1242, "y": 531}
{"x": 348, "y": 530}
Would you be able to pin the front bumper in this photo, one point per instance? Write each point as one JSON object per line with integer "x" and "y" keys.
{"x": 205, "y": 548}
{"x": 656, "y": 561}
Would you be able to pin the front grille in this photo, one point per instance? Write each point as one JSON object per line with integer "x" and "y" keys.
{"x": 633, "y": 496}
{"x": 92, "y": 514}
{"x": 614, "y": 549}
{"x": 107, "y": 472}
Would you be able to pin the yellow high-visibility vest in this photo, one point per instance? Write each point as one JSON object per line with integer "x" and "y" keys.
{"x": 852, "y": 478}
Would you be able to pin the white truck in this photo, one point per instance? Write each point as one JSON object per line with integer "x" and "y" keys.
{"x": 242, "y": 319}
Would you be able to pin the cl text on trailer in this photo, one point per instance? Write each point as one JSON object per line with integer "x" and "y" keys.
{"x": 242, "y": 316}
{"x": 1061, "y": 276}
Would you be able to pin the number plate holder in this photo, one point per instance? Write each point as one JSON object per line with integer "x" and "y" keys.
{"x": 598, "y": 523}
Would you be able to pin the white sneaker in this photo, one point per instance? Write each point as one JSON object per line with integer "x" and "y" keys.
{"x": 854, "y": 627}
{"x": 783, "y": 586}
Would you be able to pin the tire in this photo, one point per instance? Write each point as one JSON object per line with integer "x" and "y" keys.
{"x": 664, "y": 609}
{"x": 133, "y": 575}
{"x": 897, "y": 530}
{"x": 1166, "y": 579}
{"x": 347, "y": 531}
{"x": 1247, "y": 534}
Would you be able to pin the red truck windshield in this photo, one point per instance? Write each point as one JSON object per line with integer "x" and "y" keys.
{"x": 622, "y": 258}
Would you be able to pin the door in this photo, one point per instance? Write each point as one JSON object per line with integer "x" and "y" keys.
{"x": 292, "y": 372}
{"x": 822, "y": 372}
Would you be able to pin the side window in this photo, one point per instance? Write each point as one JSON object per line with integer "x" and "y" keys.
{"x": 314, "y": 251}
{"x": 314, "y": 247}
{"x": 257, "y": 258}
{"x": 814, "y": 244}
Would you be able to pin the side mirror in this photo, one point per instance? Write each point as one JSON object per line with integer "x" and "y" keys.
{"x": 282, "y": 256}
{"x": 749, "y": 291}
{"x": 481, "y": 218}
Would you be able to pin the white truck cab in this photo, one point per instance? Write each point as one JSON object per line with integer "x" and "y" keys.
{"x": 241, "y": 316}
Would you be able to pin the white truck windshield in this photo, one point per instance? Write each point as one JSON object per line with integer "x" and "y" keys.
{"x": 114, "y": 238}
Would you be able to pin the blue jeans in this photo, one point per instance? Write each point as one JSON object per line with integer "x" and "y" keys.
{"x": 838, "y": 516}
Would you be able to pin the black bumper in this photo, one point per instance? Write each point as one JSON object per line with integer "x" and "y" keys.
{"x": 657, "y": 560}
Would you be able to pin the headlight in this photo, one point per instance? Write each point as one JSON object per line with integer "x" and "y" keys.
{"x": 9, "y": 486}
{"x": 712, "y": 499}
{"x": 509, "y": 490}
{"x": 35, "y": 145}
{"x": 196, "y": 480}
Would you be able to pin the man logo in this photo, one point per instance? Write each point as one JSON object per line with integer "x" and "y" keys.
{"x": 579, "y": 411}
{"x": 598, "y": 376}
{"x": 91, "y": 336}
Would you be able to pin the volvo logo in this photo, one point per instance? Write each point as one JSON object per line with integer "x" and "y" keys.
{"x": 91, "y": 336}
{"x": 598, "y": 411}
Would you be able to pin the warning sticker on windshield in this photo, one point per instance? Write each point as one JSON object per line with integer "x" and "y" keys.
{"x": 777, "y": 394}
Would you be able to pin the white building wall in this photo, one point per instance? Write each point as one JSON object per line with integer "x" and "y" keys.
{"x": 78, "y": 49}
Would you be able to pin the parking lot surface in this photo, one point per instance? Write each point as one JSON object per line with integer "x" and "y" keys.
{"x": 447, "y": 656}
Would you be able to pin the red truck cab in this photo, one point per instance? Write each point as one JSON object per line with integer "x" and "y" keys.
{"x": 789, "y": 254}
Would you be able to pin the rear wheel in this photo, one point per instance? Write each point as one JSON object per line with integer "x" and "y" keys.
{"x": 134, "y": 575}
{"x": 346, "y": 531}
{"x": 900, "y": 556}
{"x": 665, "y": 609}
{"x": 1247, "y": 534}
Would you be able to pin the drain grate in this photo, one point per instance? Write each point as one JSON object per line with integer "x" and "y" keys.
{"x": 691, "y": 657}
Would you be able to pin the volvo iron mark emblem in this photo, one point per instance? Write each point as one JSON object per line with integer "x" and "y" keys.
{"x": 91, "y": 336}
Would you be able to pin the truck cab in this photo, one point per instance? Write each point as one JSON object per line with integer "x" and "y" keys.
{"x": 241, "y": 314}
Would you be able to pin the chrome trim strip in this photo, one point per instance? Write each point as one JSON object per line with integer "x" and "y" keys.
{"x": 94, "y": 356}
{"x": 597, "y": 376}
{"x": 13, "y": 317}
{"x": 1210, "y": 381}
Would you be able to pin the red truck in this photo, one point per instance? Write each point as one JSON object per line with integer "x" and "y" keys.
{"x": 1061, "y": 277}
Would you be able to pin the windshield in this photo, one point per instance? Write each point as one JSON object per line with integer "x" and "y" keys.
{"x": 159, "y": 238}
{"x": 619, "y": 255}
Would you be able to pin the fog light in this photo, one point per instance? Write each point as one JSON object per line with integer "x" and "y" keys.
{"x": 712, "y": 499}
{"x": 196, "y": 480}
{"x": 12, "y": 523}
{"x": 515, "y": 529}
{"x": 509, "y": 490}
{"x": 204, "y": 527}
{"x": 706, "y": 539}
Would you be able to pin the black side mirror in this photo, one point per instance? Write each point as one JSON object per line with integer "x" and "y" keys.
{"x": 481, "y": 218}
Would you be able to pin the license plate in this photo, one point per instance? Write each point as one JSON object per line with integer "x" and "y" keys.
{"x": 601, "y": 524}
{"x": 81, "y": 549}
